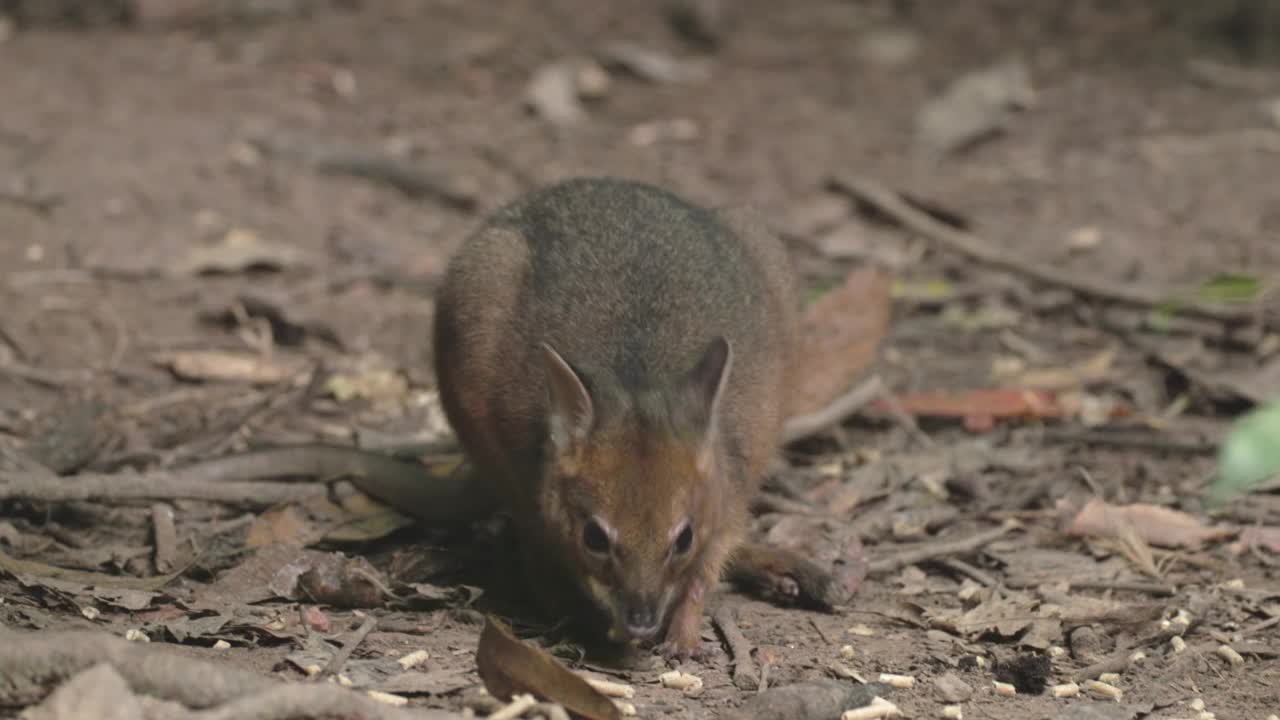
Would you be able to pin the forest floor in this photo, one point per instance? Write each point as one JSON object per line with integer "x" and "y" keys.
{"x": 226, "y": 236}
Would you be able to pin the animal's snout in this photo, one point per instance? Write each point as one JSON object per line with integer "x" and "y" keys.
{"x": 641, "y": 618}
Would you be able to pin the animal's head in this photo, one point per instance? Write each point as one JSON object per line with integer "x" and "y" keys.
{"x": 633, "y": 484}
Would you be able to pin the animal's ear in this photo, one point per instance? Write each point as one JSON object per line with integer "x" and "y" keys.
{"x": 706, "y": 382}
{"x": 570, "y": 412}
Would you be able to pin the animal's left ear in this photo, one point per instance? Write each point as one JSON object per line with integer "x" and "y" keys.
{"x": 706, "y": 383}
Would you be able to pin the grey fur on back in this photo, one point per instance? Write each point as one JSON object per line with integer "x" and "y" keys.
{"x": 630, "y": 278}
{"x": 630, "y": 284}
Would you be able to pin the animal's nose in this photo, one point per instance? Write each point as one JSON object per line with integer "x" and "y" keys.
{"x": 642, "y": 620}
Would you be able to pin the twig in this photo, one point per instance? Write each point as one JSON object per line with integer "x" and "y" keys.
{"x": 340, "y": 658}
{"x": 165, "y": 535}
{"x": 977, "y": 248}
{"x": 1117, "y": 664}
{"x": 37, "y": 203}
{"x": 904, "y": 418}
{"x": 1259, "y": 627}
{"x": 156, "y": 485}
{"x": 942, "y": 549}
{"x": 48, "y": 377}
{"x": 745, "y": 673}
{"x": 979, "y": 575}
{"x": 32, "y": 664}
{"x": 1140, "y": 587}
{"x": 803, "y": 426}
{"x": 1120, "y": 439}
{"x": 288, "y": 701}
{"x": 409, "y": 179}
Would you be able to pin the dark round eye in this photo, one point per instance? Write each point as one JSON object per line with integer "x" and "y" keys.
{"x": 594, "y": 538}
{"x": 684, "y": 540}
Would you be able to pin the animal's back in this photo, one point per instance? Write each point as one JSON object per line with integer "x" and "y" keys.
{"x": 624, "y": 280}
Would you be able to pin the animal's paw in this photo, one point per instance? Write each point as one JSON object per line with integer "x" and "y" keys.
{"x": 674, "y": 651}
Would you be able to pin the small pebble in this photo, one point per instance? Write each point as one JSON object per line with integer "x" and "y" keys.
{"x": 1109, "y": 678}
{"x": 951, "y": 689}
{"x": 848, "y": 653}
{"x": 1004, "y": 689}
{"x": 136, "y": 635}
{"x": 952, "y": 712}
{"x": 222, "y": 645}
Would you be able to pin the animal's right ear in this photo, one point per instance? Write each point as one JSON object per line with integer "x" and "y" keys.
{"x": 570, "y": 412}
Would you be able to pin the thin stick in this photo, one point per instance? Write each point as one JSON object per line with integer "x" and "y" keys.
{"x": 803, "y": 426}
{"x": 408, "y": 178}
{"x": 745, "y": 674}
{"x": 1141, "y": 587}
{"x": 1117, "y": 664}
{"x": 153, "y": 486}
{"x": 1120, "y": 439}
{"x": 165, "y": 535}
{"x": 979, "y": 575}
{"x": 943, "y": 549}
{"x": 340, "y": 658}
{"x": 33, "y": 663}
{"x": 979, "y": 249}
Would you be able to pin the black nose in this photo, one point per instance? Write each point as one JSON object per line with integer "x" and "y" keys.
{"x": 642, "y": 620}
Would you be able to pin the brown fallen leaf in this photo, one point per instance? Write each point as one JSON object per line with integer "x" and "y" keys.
{"x": 509, "y": 667}
{"x": 979, "y": 409}
{"x": 1263, "y": 537}
{"x": 1005, "y": 615}
{"x": 840, "y": 337}
{"x": 220, "y": 366}
{"x": 353, "y": 518}
{"x": 1156, "y": 525}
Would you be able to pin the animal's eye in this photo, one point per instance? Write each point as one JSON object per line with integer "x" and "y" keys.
{"x": 594, "y": 538}
{"x": 684, "y": 540}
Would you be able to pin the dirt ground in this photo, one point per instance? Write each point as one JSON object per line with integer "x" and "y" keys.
{"x": 136, "y": 161}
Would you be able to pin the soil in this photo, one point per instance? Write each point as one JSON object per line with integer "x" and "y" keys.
{"x": 124, "y": 149}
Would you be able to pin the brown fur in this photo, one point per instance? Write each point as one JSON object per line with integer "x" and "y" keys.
{"x": 630, "y": 286}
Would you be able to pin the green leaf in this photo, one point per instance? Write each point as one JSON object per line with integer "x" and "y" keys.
{"x": 1250, "y": 454}
{"x": 1229, "y": 288}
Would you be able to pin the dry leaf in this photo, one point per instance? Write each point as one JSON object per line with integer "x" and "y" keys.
{"x": 509, "y": 667}
{"x": 978, "y": 408}
{"x": 1264, "y": 537}
{"x": 1005, "y": 615}
{"x": 1156, "y": 525}
{"x": 840, "y": 336}
{"x": 218, "y": 366}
